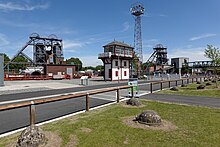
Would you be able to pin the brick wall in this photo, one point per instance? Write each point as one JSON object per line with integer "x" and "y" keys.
{"x": 60, "y": 68}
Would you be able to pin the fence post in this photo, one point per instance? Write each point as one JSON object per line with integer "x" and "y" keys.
{"x": 161, "y": 86}
{"x": 32, "y": 114}
{"x": 132, "y": 91}
{"x": 192, "y": 80}
{"x": 118, "y": 95}
{"x": 182, "y": 82}
{"x": 151, "y": 88}
{"x": 176, "y": 82}
{"x": 87, "y": 102}
{"x": 169, "y": 84}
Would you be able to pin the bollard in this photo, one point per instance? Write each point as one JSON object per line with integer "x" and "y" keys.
{"x": 87, "y": 102}
{"x": 151, "y": 88}
{"x": 132, "y": 91}
{"x": 32, "y": 114}
{"x": 118, "y": 95}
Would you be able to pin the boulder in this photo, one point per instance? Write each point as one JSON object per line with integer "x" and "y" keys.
{"x": 32, "y": 136}
{"x": 183, "y": 85}
{"x": 133, "y": 102}
{"x": 201, "y": 87}
{"x": 148, "y": 117}
{"x": 208, "y": 84}
{"x": 213, "y": 81}
{"x": 174, "y": 89}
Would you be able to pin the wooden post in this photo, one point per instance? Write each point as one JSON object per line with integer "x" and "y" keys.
{"x": 187, "y": 81}
{"x": 32, "y": 114}
{"x": 151, "y": 88}
{"x": 87, "y": 102}
{"x": 169, "y": 84}
{"x": 200, "y": 79}
{"x": 192, "y": 80}
{"x": 161, "y": 86}
{"x": 132, "y": 91}
{"x": 182, "y": 82}
{"x": 176, "y": 82}
{"x": 118, "y": 97}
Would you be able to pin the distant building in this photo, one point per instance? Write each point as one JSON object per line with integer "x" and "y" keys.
{"x": 117, "y": 58}
{"x": 178, "y": 63}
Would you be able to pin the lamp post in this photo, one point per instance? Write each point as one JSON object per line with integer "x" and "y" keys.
{"x": 118, "y": 68}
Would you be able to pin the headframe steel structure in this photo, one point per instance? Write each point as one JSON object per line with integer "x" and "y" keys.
{"x": 35, "y": 40}
{"x": 137, "y": 10}
{"x": 159, "y": 55}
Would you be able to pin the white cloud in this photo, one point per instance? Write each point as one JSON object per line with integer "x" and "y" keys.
{"x": 90, "y": 61}
{"x": 126, "y": 26}
{"x": 67, "y": 44}
{"x": 202, "y": 36}
{"x": 194, "y": 54}
{"x": 151, "y": 43}
{"x": 9, "y": 6}
{"x": 3, "y": 40}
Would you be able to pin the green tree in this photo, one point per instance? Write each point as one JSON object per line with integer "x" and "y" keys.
{"x": 213, "y": 53}
{"x": 19, "y": 58}
{"x": 75, "y": 61}
{"x": 136, "y": 65}
{"x": 6, "y": 59}
{"x": 99, "y": 67}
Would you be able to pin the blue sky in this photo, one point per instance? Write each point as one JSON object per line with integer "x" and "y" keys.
{"x": 185, "y": 27}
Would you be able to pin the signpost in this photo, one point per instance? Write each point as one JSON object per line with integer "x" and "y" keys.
{"x": 1, "y": 69}
{"x": 133, "y": 82}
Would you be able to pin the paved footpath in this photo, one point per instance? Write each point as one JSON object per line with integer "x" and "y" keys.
{"x": 180, "y": 99}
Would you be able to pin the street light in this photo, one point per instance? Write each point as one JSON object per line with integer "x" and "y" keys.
{"x": 118, "y": 68}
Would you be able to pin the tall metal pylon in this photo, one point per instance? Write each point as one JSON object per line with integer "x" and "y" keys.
{"x": 137, "y": 10}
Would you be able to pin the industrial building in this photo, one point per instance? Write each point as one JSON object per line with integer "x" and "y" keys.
{"x": 178, "y": 63}
{"x": 117, "y": 58}
{"x": 47, "y": 58}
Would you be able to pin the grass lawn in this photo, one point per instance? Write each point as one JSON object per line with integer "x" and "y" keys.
{"x": 196, "y": 126}
{"x": 190, "y": 90}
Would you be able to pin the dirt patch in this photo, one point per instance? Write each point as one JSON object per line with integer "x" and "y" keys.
{"x": 52, "y": 139}
{"x": 165, "y": 125}
{"x": 73, "y": 141}
{"x": 123, "y": 104}
{"x": 126, "y": 140}
{"x": 87, "y": 130}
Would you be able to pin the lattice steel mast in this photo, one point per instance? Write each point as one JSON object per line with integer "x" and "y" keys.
{"x": 137, "y": 10}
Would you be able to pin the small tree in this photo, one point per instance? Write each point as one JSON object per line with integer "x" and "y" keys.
{"x": 213, "y": 53}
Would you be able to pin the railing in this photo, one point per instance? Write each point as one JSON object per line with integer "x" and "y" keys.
{"x": 193, "y": 79}
{"x": 31, "y": 104}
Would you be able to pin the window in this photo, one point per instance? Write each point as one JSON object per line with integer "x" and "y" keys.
{"x": 125, "y": 64}
{"x": 116, "y": 63}
{"x": 116, "y": 73}
{"x": 125, "y": 73}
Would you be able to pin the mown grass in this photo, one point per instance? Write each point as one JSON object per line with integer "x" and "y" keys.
{"x": 191, "y": 90}
{"x": 197, "y": 126}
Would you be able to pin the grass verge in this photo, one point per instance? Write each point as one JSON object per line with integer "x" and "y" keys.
{"x": 191, "y": 90}
{"x": 196, "y": 126}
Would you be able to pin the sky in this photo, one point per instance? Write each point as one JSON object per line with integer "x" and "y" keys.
{"x": 185, "y": 27}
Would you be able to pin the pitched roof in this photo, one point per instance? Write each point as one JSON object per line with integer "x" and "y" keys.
{"x": 118, "y": 43}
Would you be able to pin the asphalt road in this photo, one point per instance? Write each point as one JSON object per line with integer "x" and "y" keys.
{"x": 18, "y": 118}
{"x": 190, "y": 100}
